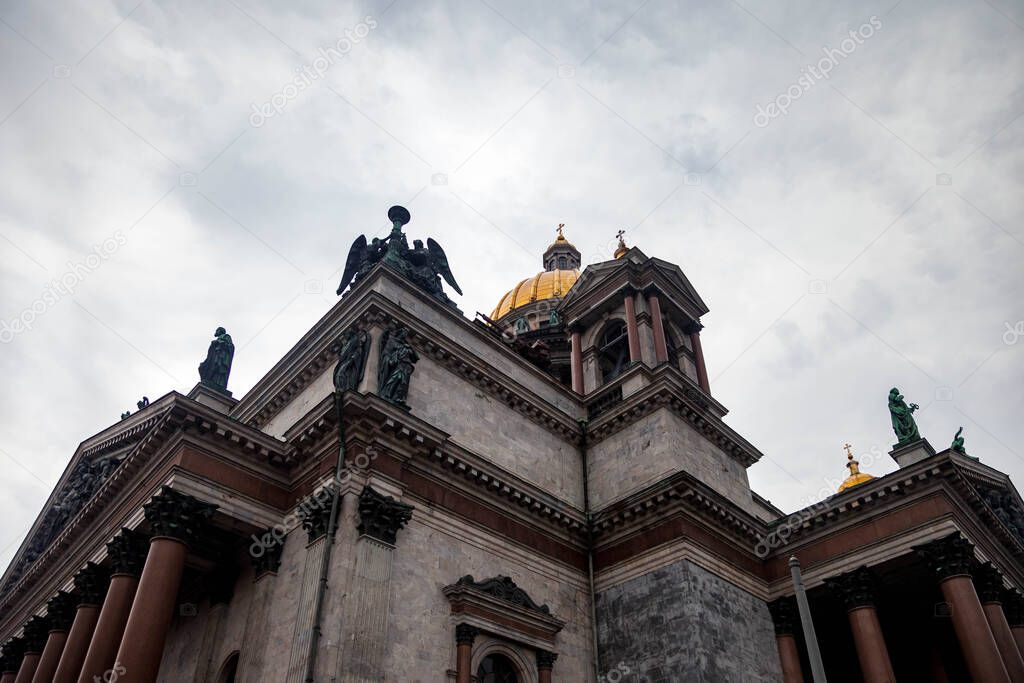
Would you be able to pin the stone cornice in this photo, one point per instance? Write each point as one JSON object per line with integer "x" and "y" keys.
{"x": 665, "y": 498}
{"x": 671, "y": 389}
{"x": 474, "y": 604}
{"x": 364, "y": 305}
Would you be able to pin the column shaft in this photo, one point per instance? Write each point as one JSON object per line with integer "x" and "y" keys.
{"x": 366, "y": 612}
{"x": 1004, "y": 641}
{"x": 698, "y": 357}
{"x": 106, "y": 637}
{"x": 28, "y": 667}
{"x": 660, "y": 342}
{"x": 1018, "y": 637}
{"x": 631, "y": 329}
{"x": 464, "y": 663}
{"x": 51, "y": 657}
{"x": 82, "y": 628}
{"x": 305, "y": 615}
{"x": 790, "y": 659}
{"x": 152, "y": 611}
{"x": 577, "y": 363}
{"x": 544, "y": 675}
{"x": 8, "y": 677}
{"x": 973, "y": 632}
{"x": 871, "y": 650}
{"x": 250, "y": 665}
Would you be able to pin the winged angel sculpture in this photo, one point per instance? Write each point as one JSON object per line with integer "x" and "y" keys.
{"x": 423, "y": 266}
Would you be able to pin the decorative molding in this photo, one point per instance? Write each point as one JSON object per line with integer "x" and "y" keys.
{"x": 11, "y": 655}
{"x": 503, "y": 588}
{"x": 60, "y": 611}
{"x": 381, "y": 516}
{"x": 465, "y": 634}
{"x": 315, "y": 512}
{"x": 91, "y": 583}
{"x": 784, "y": 616}
{"x": 127, "y": 552}
{"x": 35, "y": 633}
{"x": 499, "y": 607}
{"x": 546, "y": 660}
{"x": 269, "y": 560}
{"x": 1013, "y": 605}
{"x": 854, "y": 589}
{"x": 949, "y": 556}
{"x": 177, "y": 515}
{"x": 988, "y": 581}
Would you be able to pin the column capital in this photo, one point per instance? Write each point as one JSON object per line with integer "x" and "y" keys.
{"x": 36, "y": 631}
{"x": 11, "y": 654}
{"x": 127, "y": 552}
{"x": 60, "y": 610}
{"x": 693, "y": 327}
{"x": 465, "y": 634}
{"x": 315, "y": 512}
{"x": 381, "y": 516}
{"x": 948, "y": 556}
{"x": 855, "y": 589}
{"x": 784, "y": 616}
{"x": 91, "y": 584}
{"x": 546, "y": 660}
{"x": 1013, "y": 605}
{"x": 628, "y": 290}
{"x": 988, "y": 581}
{"x": 177, "y": 515}
{"x": 269, "y": 559}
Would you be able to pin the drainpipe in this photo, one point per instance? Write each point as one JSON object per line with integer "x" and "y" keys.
{"x": 590, "y": 546}
{"x": 325, "y": 565}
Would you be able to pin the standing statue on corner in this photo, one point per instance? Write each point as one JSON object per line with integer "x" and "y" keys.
{"x": 352, "y": 351}
{"x": 902, "y": 418}
{"x": 214, "y": 371}
{"x": 397, "y": 362}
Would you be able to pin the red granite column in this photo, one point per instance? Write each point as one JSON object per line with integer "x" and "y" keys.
{"x": 989, "y": 584}
{"x": 36, "y": 633}
{"x": 59, "y": 612}
{"x": 90, "y": 584}
{"x": 698, "y": 356}
{"x": 785, "y": 618}
{"x": 127, "y": 551}
{"x": 632, "y": 333}
{"x": 856, "y": 590}
{"x": 576, "y": 362}
{"x": 8, "y": 676}
{"x": 658, "y": 326}
{"x": 176, "y": 519}
{"x": 464, "y": 637}
{"x": 950, "y": 559}
{"x": 1013, "y": 605}
{"x": 545, "y": 663}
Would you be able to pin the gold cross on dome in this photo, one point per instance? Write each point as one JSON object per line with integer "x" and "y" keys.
{"x": 848, "y": 448}
{"x": 619, "y": 234}
{"x": 559, "y": 229}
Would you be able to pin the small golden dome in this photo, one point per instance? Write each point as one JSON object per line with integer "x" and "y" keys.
{"x": 856, "y": 476}
{"x": 621, "y": 249}
{"x": 547, "y": 284}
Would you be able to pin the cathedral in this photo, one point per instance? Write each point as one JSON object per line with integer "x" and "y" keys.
{"x": 547, "y": 491}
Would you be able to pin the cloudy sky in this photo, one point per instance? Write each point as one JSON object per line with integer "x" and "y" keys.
{"x": 161, "y": 161}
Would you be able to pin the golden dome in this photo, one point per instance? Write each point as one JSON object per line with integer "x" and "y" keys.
{"x": 548, "y": 284}
{"x": 856, "y": 476}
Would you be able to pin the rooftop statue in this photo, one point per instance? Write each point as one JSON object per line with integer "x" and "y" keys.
{"x": 902, "y": 418}
{"x": 397, "y": 362}
{"x": 214, "y": 371}
{"x": 424, "y": 266}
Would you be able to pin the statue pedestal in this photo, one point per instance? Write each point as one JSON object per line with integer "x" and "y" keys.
{"x": 908, "y": 454}
{"x": 218, "y": 400}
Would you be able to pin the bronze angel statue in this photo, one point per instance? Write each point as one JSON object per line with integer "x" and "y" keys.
{"x": 424, "y": 266}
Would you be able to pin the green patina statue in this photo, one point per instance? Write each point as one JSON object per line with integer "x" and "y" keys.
{"x": 958, "y": 443}
{"x": 352, "y": 351}
{"x": 397, "y": 362}
{"x": 214, "y": 371}
{"x": 902, "y": 418}
{"x": 424, "y": 266}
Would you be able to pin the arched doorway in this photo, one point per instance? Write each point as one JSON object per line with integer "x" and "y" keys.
{"x": 496, "y": 668}
{"x": 229, "y": 669}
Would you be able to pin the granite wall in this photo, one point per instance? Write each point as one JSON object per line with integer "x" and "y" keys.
{"x": 683, "y": 623}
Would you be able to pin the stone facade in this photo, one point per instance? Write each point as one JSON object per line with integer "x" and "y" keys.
{"x": 683, "y": 623}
